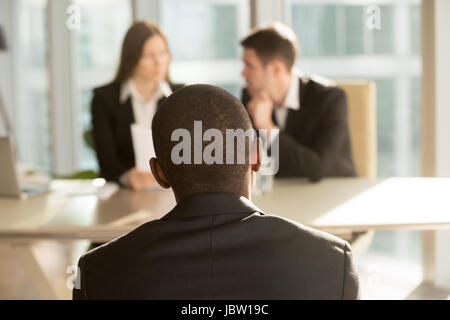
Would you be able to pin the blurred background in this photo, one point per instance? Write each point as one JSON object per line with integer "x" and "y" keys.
{"x": 204, "y": 41}
{"x": 48, "y": 72}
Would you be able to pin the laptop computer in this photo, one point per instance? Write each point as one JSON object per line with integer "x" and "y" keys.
{"x": 9, "y": 178}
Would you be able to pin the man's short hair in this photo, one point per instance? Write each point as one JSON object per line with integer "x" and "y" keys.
{"x": 216, "y": 109}
{"x": 275, "y": 41}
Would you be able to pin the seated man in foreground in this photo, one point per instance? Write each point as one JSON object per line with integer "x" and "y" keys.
{"x": 215, "y": 243}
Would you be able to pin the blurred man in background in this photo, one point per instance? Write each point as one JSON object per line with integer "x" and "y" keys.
{"x": 310, "y": 112}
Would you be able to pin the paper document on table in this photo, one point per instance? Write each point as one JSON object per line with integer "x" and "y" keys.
{"x": 143, "y": 146}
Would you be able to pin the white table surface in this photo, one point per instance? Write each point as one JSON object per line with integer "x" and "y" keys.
{"x": 335, "y": 204}
{"x": 73, "y": 211}
{"x": 361, "y": 204}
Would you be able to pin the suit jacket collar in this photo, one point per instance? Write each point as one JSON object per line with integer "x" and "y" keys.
{"x": 302, "y": 82}
{"x": 125, "y": 103}
{"x": 293, "y": 116}
{"x": 125, "y": 111}
{"x": 292, "y": 100}
{"x": 213, "y": 203}
{"x": 128, "y": 89}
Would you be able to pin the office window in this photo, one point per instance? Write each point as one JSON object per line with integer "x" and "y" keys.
{"x": 323, "y": 18}
{"x": 383, "y": 39}
{"x": 32, "y": 107}
{"x": 201, "y": 30}
{"x": 404, "y": 244}
{"x": 385, "y": 126}
{"x": 414, "y": 24}
{"x": 354, "y": 34}
{"x": 416, "y": 119}
{"x": 340, "y": 30}
{"x": 336, "y": 42}
{"x": 97, "y": 46}
{"x": 204, "y": 36}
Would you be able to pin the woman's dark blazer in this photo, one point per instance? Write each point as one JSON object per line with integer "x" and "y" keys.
{"x": 111, "y": 121}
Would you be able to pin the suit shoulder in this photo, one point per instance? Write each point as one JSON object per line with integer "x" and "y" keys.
{"x": 125, "y": 244}
{"x": 324, "y": 95}
{"x": 328, "y": 85}
{"x": 319, "y": 240}
{"x": 107, "y": 89}
{"x": 323, "y": 81}
{"x": 106, "y": 96}
{"x": 320, "y": 85}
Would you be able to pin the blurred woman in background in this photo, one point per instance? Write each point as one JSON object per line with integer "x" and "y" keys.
{"x": 141, "y": 84}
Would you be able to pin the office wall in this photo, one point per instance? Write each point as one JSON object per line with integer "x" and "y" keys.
{"x": 6, "y": 66}
{"x": 442, "y": 56}
{"x": 436, "y": 130}
{"x": 442, "y": 87}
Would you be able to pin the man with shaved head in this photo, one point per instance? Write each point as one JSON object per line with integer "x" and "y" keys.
{"x": 215, "y": 243}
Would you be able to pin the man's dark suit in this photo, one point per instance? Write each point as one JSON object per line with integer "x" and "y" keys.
{"x": 111, "y": 121}
{"x": 316, "y": 141}
{"x": 219, "y": 246}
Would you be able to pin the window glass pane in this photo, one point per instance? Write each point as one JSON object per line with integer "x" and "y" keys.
{"x": 88, "y": 158}
{"x": 201, "y": 30}
{"x": 204, "y": 38}
{"x": 385, "y": 126}
{"x": 32, "y": 107}
{"x": 97, "y": 52}
{"x": 403, "y": 244}
{"x": 323, "y": 18}
{"x": 103, "y": 25}
{"x": 300, "y": 24}
{"x": 414, "y": 15}
{"x": 233, "y": 88}
{"x": 326, "y": 16}
{"x": 383, "y": 39}
{"x": 354, "y": 32}
{"x": 416, "y": 118}
{"x": 324, "y": 29}
{"x": 398, "y": 88}
{"x": 398, "y": 111}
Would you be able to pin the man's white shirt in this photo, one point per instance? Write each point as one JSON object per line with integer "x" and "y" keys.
{"x": 292, "y": 101}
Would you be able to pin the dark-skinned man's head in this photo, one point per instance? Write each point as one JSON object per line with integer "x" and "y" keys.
{"x": 208, "y": 107}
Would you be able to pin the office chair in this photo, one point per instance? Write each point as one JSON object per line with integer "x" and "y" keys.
{"x": 361, "y": 103}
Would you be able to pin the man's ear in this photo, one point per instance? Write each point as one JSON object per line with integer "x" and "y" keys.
{"x": 256, "y": 154}
{"x": 158, "y": 173}
{"x": 278, "y": 67}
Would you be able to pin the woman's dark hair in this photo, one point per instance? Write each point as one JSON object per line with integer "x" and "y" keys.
{"x": 132, "y": 46}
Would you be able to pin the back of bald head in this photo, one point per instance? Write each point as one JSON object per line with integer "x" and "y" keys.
{"x": 213, "y": 108}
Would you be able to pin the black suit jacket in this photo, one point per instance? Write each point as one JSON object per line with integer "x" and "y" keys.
{"x": 219, "y": 246}
{"x": 111, "y": 121}
{"x": 316, "y": 141}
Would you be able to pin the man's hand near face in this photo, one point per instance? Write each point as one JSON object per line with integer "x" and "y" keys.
{"x": 260, "y": 109}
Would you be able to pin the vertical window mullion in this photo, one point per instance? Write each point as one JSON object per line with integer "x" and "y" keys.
{"x": 146, "y": 10}
{"x": 61, "y": 89}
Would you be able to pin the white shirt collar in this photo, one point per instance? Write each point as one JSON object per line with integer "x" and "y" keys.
{"x": 128, "y": 89}
{"x": 292, "y": 100}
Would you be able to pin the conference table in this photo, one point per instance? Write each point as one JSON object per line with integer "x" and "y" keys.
{"x": 73, "y": 210}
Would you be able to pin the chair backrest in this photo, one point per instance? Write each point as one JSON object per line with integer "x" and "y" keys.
{"x": 361, "y": 101}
